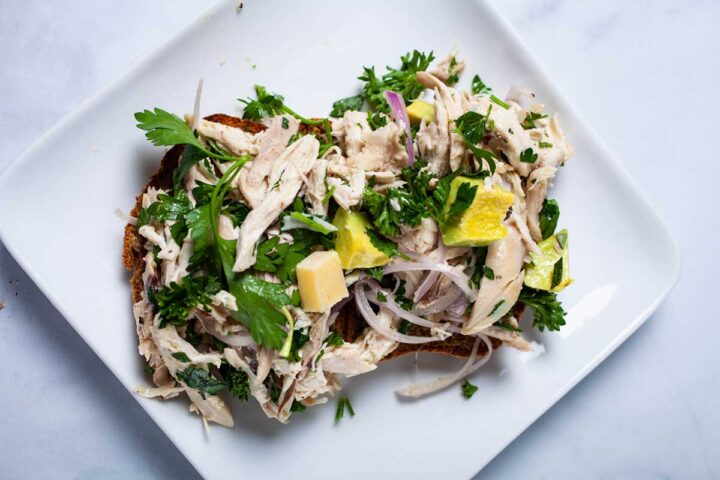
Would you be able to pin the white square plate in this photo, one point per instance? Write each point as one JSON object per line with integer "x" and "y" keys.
{"x": 56, "y": 216}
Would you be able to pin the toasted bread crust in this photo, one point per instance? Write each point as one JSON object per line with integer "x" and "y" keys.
{"x": 349, "y": 323}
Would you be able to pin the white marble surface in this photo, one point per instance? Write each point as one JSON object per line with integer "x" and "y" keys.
{"x": 645, "y": 76}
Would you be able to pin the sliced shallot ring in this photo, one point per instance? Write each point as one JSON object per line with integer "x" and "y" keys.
{"x": 426, "y": 388}
{"x": 365, "y": 310}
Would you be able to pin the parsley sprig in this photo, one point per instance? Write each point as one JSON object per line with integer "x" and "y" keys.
{"x": 401, "y": 80}
{"x": 548, "y": 312}
{"x": 167, "y": 129}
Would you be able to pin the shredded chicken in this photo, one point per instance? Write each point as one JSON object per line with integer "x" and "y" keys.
{"x": 255, "y": 182}
{"x": 287, "y": 175}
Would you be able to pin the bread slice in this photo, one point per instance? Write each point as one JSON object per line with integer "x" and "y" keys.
{"x": 349, "y": 323}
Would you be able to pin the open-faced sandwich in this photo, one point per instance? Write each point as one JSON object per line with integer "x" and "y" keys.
{"x": 273, "y": 254}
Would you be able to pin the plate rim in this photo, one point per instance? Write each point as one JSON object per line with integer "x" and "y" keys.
{"x": 527, "y": 57}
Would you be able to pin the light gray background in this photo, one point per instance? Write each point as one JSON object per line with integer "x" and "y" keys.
{"x": 646, "y": 76}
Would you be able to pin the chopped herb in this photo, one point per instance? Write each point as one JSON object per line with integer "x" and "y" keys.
{"x": 376, "y": 120}
{"x": 299, "y": 340}
{"x": 529, "y": 121}
{"x": 453, "y": 76}
{"x": 545, "y": 145}
{"x": 295, "y": 298}
{"x": 182, "y": 356}
{"x": 294, "y": 138}
{"x": 387, "y": 247}
{"x": 265, "y": 105}
{"x": 148, "y": 369}
{"x": 471, "y": 127}
{"x": 273, "y": 389}
{"x": 175, "y": 302}
{"x": 404, "y": 327}
{"x": 549, "y": 215}
{"x": 374, "y": 272}
{"x": 297, "y": 407}
{"x": 505, "y": 325}
{"x": 343, "y": 105}
{"x": 496, "y": 307}
{"x": 465, "y": 197}
{"x": 381, "y": 297}
{"x": 401, "y": 80}
{"x": 468, "y": 389}
{"x": 547, "y": 310}
{"x": 285, "y": 123}
{"x": 334, "y": 339}
{"x": 528, "y": 156}
{"x": 328, "y": 195}
{"x": 557, "y": 273}
{"x": 495, "y": 99}
{"x": 343, "y": 403}
{"x": 479, "y": 87}
{"x": 237, "y": 381}
{"x": 201, "y": 380}
{"x": 488, "y": 273}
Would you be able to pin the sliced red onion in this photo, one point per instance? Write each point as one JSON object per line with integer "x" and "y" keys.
{"x": 390, "y": 304}
{"x": 426, "y": 388}
{"x": 363, "y": 306}
{"x": 458, "y": 307}
{"x": 459, "y": 278}
{"x": 442, "y": 303}
{"x": 399, "y": 113}
{"x": 432, "y": 276}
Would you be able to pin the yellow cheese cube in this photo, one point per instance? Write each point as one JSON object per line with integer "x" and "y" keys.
{"x": 419, "y": 110}
{"x": 321, "y": 281}
{"x": 353, "y": 243}
{"x": 550, "y": 269}
{"x": 481, "y": 223}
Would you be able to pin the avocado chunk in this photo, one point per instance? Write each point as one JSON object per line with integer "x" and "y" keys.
{"x": 352, "y": 242}
{"x": 419, "y": 110}
{"x": 482, "y": 222}
{"x": 550, "y": 269}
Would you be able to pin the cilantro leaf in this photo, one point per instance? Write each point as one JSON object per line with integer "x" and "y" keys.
{"x": 528, "y": 156}
{"x": 468, "y": 389}
{"x": 404, "y": 327}
{"x": 547, "y": 310}
{"x": 344, "y": 104}
{"x": 201, "y": 380}
{"x": 478, "y": 86}
{"x": 175, "y": 301}
{"x": 549, "y": 215}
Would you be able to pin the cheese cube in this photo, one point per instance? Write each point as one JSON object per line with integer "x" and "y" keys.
{"x": 321, "y": 281}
